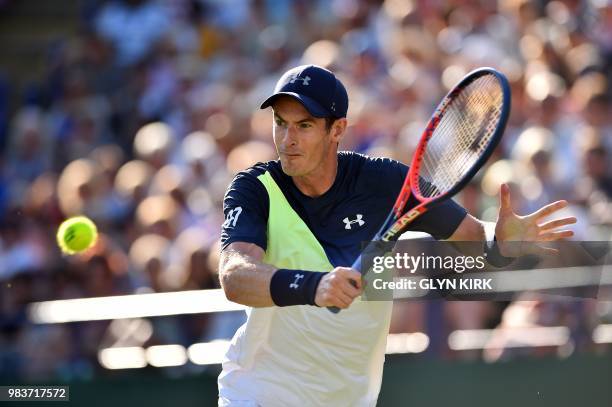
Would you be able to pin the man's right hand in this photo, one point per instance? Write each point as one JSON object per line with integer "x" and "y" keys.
{"x": 338, "y": 288}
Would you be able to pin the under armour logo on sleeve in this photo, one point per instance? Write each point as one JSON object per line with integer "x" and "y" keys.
{"x": 304, "y": 80}
{"x": 232, "y": 217}
{"x": 358, "y": 220}
{"x": 295, "y": 284}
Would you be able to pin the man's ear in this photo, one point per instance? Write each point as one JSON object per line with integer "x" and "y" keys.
{"x": 338, "y": 129}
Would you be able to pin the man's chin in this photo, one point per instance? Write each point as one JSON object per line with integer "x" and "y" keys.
{"x": 290, "y": 170}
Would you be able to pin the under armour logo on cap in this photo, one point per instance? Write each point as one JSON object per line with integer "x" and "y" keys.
{"x": 358, "y": 220}
{"x": 304, "y": 80}
{"x": 316, "y": 88}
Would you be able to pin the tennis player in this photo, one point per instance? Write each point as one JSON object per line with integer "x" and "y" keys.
{"x": 291, "y": 228}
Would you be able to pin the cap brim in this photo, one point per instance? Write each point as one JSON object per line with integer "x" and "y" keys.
{"x": 314, "y": 108}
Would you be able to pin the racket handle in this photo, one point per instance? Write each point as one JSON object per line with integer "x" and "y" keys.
{"x": 357, "y": 266}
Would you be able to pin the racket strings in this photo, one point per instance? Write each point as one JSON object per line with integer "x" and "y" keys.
{"x": 464, "y": 132}
{"x": 472, "y": 127}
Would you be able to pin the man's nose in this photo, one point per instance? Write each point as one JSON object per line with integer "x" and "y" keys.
{"x": 290, "y": 136}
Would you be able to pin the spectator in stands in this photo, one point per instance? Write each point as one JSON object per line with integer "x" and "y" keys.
{"x": 144, "y": 116}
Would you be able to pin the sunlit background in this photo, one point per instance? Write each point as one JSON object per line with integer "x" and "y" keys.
{"x": 138, "y": 113}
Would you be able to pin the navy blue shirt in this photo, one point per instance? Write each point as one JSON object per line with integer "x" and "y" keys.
{"x": 348, "y": 214}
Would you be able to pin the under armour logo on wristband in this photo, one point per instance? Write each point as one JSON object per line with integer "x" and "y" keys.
{"x": 294, "y": 287}
{"x": 295, "y": 284}
{"x": 348, "y": 222}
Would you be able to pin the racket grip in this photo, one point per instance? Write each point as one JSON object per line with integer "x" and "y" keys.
{"x": 357, "y": 266}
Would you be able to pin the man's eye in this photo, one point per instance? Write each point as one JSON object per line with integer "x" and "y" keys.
{"x": 279, "y": 123}
{"x": 305, "y": 125}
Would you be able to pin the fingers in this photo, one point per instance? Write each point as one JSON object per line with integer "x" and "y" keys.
{"x": 533, "y": 228}
{"x": 344, "y": 300}
{"x": 505, "y": 204}
{"x": 352, "y": 275}
{"x": 339, "y": 288}
{"x": 543, "y": 251}
{"x": 553, "y": 224}
{"x": 549, "y": 209}
{"x": 552, "y": 236}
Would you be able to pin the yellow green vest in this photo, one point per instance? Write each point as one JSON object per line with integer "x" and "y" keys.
{"x": 290, "y": 243}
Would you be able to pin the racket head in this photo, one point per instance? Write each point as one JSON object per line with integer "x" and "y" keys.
{"x": 461, "y": 135}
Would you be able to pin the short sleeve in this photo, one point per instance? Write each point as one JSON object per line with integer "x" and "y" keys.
{"x": 441, "y": 221}
{"x": 245, "y": 208}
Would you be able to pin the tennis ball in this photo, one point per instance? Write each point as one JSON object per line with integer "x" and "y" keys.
{"x": 76, "y": 234}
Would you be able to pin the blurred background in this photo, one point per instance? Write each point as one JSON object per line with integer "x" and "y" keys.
{"x": 138, "y": 113}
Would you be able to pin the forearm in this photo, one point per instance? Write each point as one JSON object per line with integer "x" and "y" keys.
{"x": 245, "y": 279}
{"x": 469, "y": 231}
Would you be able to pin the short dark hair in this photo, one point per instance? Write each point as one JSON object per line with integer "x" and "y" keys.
{"x": 329, "y": 122}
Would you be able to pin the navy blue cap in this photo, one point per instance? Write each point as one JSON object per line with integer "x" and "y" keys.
{"x": 318, "y": 89}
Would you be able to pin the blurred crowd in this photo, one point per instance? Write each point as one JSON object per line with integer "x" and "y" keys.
{"x": 143, "y": 117}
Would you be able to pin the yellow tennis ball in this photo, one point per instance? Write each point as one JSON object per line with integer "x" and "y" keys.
{"x": 76, "y": 234}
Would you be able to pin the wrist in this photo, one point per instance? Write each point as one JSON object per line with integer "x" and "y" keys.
{"x": 294, "y": 287}
{"x": 494, "y": 256}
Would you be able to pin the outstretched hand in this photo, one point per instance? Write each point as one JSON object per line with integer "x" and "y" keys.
{"x": 531, "y": 229}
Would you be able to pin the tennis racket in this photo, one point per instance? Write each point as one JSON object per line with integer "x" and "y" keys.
{"x": 459, "y": 138}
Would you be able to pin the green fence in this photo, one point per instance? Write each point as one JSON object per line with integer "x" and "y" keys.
{"x": 584, "y": 381}
{"x": 578, "y": 381}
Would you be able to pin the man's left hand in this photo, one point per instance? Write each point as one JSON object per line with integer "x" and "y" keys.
{"x": 529, "y": 229}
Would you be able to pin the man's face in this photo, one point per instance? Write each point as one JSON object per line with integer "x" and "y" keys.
{"x": 302, "y": 141}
